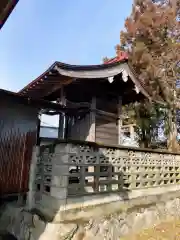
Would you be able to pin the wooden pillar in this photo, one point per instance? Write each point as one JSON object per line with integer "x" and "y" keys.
{"x": 119, "y": 110}
{"x": 62, "y": 117}
{"x": 92, "y": 122}
{"x": 132, "y": 131}
{"x": 38, "y": 131}
{"x": 66, "y": 127}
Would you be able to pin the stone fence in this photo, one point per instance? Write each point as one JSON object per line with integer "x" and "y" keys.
{"x": 71, "y": 175}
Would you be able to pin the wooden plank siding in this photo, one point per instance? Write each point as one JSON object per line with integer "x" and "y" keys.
{"x": 106, "y": 130}
{"x": 79, "y": 129}
{"x": 100, "y": 125}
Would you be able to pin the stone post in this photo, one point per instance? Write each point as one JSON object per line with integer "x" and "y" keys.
{"x": 119, "y": 110}
{"x": 92, "y": 131}
{"x": 32, "y": 176}
{"x": 60, "y": 172}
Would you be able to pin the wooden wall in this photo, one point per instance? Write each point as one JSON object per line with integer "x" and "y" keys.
{"x": 98, "y": 126}
{"x": 79, "y": 130}
{"x": 106, "y": 130}
{"x": 18, "y": 124}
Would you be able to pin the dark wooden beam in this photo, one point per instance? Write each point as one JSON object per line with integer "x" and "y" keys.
{"x": 108, "y": 114}
{"x": 42, "y": 104}
{"x": 77, "y": 104}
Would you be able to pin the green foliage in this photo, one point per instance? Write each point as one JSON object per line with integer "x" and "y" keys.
{"x": 148, "y": 117}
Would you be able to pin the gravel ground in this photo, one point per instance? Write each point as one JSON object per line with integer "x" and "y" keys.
{"x": 163, "y": 231}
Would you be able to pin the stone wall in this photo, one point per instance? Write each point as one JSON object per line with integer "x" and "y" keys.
{"x": 93, "y": 224}
{"x": 77, "y": 174}
{"x": 92, "y": 191}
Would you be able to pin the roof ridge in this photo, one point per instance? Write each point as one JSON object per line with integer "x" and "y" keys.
{"x": 122, "y": 55}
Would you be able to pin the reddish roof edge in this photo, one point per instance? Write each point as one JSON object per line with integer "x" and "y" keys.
{"x": 38, "y": 79}
{"x": 7, "y": 11}
{"x": 121, "y": 56}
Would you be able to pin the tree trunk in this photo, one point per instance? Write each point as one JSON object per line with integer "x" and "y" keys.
{"x": 144, "y": 141}
{"x": 172, "y": 142}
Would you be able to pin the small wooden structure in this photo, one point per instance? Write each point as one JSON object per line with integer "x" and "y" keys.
{"x": 88, "y": 102}
{"x": 87, "y": 161}
{"x": 99, "y": 91}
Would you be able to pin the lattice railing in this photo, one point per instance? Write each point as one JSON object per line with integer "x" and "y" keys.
{"x": 83, "y": 169}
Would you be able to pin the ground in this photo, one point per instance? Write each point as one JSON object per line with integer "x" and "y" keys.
{"x": 164, "y": 231}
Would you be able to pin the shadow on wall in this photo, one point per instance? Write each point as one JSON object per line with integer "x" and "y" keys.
{"x": 7, "y": 236}
{"x": 91, "y": 173}
{"x": 91, "y": 177}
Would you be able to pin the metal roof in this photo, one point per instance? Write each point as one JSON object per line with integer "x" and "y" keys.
{"x": 59, "y": 74}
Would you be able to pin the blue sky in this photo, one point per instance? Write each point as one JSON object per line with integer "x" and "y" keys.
{"x": 39, "y": 32}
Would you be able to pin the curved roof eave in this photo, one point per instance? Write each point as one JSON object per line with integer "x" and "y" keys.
{"x": 88, "y": 71}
